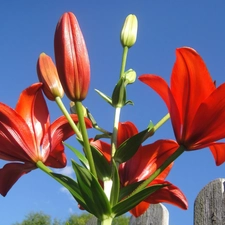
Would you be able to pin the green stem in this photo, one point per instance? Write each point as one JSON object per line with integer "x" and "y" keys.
{"x": 83, "y": 128}
{"x": 156, "y": 127}
{"x": 162, "y": 121}
{"x": 168, "y": 161}
{"x": 68, "y": 117}
{"x": 107, "y": 221}
{"x": 124, "y": 60}
{"x": 117, "y": 111}
{"x": 108, "y": 187}
{"x": 115, "y": 130}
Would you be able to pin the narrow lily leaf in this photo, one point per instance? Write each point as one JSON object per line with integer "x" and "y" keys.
{"x": 119, "y": 94}
{"x": 79, "y": 155}
{"x": 105, "y": 97}
{"x": 150, "y": 125}
{"x": 130, "y": 202}
{"x": 116, "y": 185}
{"x": 129, "y": 147}
{"x": 72, "y": 186}
{"x": 129, "y": 102}
{"x": 127, "y": 190}
{"x": 102, "y": 166}
{"x": 92, "y": 192}
{"x": 99, "y": 136}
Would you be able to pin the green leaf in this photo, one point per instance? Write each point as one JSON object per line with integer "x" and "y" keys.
{"x": 79, "y": 155}
{"x": 129, "y": 102}
{"x": 99, "y": 136}
{"x": 127, "y": 190}
{"x": 150, "y": 125}
{"x": 102, "y": 166}
{"x": 115, "y": 191}
{"x": 119, "y": 94}
{"x": 105, "y": 97}
{"x": 129, "y": 147}
{"x": 72, "y": 186}
{"x": 92, "y": 192}
{"x": 130, "y": 202}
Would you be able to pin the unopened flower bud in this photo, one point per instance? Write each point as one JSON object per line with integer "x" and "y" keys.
{"x": 71, "y": 57}
{"x": 48, "y": 75}
{"x": 128, "y": 34}
{"x": 130, "y": 76}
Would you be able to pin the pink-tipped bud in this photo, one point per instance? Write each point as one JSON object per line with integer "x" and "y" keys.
{"x": 71, "y": 57}
{"x": 48, "y": 75}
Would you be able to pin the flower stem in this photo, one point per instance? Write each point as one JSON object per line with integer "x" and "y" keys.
{"x": 161, "y": 122}
{"x": 68, "y": 117}
{"x": 87, "y": 147}
{"x": 124, "y": 60}
{"x": 167, "y": 162}
{"x": 115, "y": 130}
{"x": 156, "y": 127}
{"x": 107, "y": 221}
{"x": 118, "y": 110}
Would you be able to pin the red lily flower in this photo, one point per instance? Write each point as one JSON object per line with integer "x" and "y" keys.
{"x": 27, "y": 137}
{"x": 195, "y": 105}
{"x": 71, "y": 57}
{"x": 142, "y": 165}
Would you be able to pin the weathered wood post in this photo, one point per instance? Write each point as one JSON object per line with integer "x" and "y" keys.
{"x": 209, "y": 208}
{"x": 157, "y": 214}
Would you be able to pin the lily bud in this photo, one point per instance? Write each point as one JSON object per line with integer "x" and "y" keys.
{"x": 72, "y": 59}
{"x": 48, "y": 75}
{"x": 130, "y": 76}
{"x": 128, "y": 34}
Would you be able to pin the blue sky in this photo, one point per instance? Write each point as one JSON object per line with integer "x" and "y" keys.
{"x": 27, "y": 29}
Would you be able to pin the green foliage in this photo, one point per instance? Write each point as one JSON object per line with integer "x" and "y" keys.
{"x": 40, "y": 218}
{"x": 78, "y": 219}
{"x": 121, "y": 220}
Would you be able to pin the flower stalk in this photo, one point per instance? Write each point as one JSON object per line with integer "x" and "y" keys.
{"x": 85, "y": 138}
{"x": 59, "y": 102}
{"x": 157, "y": 126}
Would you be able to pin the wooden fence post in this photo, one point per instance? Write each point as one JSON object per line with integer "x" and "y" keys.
{"x": 209, "y": 208}
{"x": 157, "y": 214}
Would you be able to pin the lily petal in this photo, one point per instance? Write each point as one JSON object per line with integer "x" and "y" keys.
{"x": 125, "y": 131}
{"x": 209, "y": 127}
{"x": 56, "y": 158}
{"x": 59, "y": 131}
{"x": 191, "y": 84}
{"x": 139, "y": 209}
{"x": 218, "y": 151}
{"x": 147, "y": 160}
{"x": 10, "y": 173}
{"x": 102, "y": 147}
{"x": 168, "y": 194}
{"x": 16, "y": 140}
{"x": 159, "y": 85}
{"x": 33, "y": 109}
